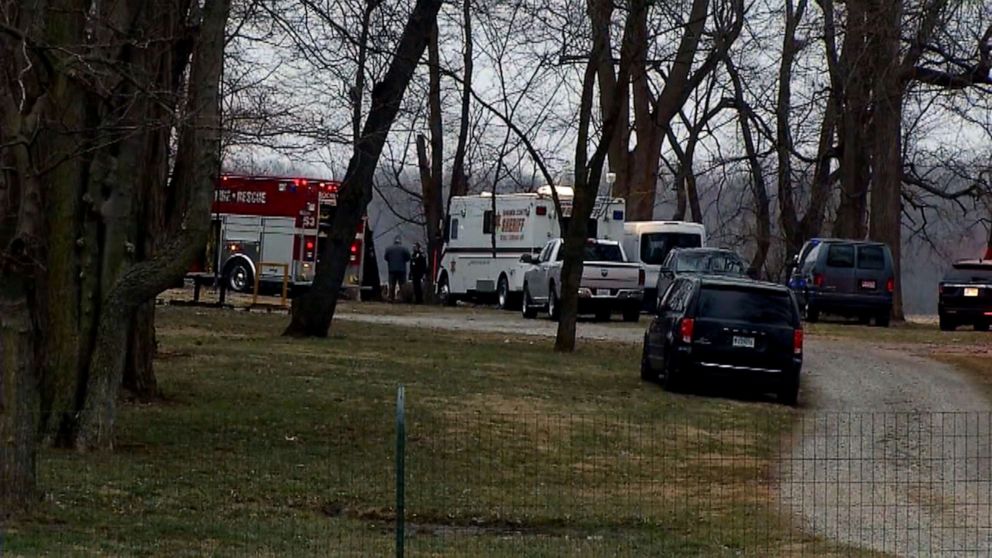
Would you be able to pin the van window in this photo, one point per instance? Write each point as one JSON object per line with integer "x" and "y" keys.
{"x": 454, "y": 229}
{"x": 746, "y": 305}
{"x": 840, "y": 255}
{"x": 871, "y": 257}
{"x": 487, "y": 222}
{"x": 656, "y": 246}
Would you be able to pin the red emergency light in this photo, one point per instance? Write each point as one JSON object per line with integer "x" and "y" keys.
{"x": 309, "y": 245}
{"x": 541, "y": 210}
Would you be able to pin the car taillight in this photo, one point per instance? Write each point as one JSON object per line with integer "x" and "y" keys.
{"x": 818, "y": 279}
{"x": 940, "y": 289}
{"x": 797, "y": 342}
{"x": 890, "y": 285}
{"x": 354, "y": 251}
{"x": 685, "y": 329}
{"x": 640, "y": 277}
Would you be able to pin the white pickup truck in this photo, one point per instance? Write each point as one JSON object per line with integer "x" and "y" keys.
{"x": 610, "y": 283}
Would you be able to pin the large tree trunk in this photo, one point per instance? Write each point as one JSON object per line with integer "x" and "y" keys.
{"x": 314, "y": 311}
{"x": 886, "y": 188}
{"x": 19, "y": 405}
{"x": 857, "y": 65}
{"x": 432, "y": 167}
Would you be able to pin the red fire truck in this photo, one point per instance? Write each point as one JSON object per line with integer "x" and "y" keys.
{"x": 261, "y": 223}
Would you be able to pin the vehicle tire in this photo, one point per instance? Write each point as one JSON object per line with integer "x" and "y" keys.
{"x": 503, "y": 299}
{"x": 882, "y": 319}
{"x": 632, "y": 314}
{"x": 981, "y": 326}
{"x": 947, "y": 325}
{"x": 788, "y": 391}
{"x": 239, "y": 277}
{"x": 554, "y": 311}
{"x": 812, "y": 314}
{"x": 444, "y": 295}
{"x": 529, "y": 312}
{"x": 672, "y": 380}
{"x": 647, "y": 373}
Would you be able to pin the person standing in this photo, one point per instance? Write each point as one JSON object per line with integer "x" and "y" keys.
{"x": 418, "y": 269}
{"x": 397, "y": 256}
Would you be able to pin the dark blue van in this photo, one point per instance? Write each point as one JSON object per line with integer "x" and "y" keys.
{"x": 851, "y": 278}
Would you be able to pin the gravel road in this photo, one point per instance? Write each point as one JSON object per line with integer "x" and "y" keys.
{"x": 892, "y": 456}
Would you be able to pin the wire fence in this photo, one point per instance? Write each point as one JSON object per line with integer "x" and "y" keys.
{"x": 682, "y": 482}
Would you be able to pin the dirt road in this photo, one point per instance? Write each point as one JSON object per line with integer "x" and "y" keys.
{"x": 892, "y": 455}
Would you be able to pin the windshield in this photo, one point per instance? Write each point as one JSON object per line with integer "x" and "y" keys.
{"x": 746, "y": 305}
{"x": 967, "y": 273}
{"x": 709, "y": 262}
{"x": 656, "y": 246}
{"x": 596, "y": 252}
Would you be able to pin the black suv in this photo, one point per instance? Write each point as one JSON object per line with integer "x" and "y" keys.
{"x": 709, "y": 325}
{"x": 966, "y": 295}
{"x": 845, "y": 277}
{"x": 697, "y": 261}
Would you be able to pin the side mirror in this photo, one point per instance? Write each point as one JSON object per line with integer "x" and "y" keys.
{"x": 528, "y": 259}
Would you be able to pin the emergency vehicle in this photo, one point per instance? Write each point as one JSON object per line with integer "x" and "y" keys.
{"x": 471, "y": 267}
{"x": 266, "y": 226}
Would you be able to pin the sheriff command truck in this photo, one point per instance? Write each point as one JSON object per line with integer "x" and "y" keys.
{"x": 472, "y": 267}
{"x": 266, "y": 227}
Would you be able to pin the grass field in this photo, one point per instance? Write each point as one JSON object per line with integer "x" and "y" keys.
{"x": 272, "y": 446}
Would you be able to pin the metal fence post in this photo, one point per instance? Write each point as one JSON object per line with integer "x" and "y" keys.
{"x": 400, "y": 465}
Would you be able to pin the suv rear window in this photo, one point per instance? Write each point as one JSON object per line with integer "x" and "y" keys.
{"x": 840, "y": 255}
{"x": 746, "y": 305}
{"x": 967, "y": 273}
{"x": 871, "y": 257}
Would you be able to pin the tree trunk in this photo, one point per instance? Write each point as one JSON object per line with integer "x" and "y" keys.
{"x": 19, "y": 405}
{"x": 139, "y": 364}
{"x": 313, "y": 312}
{"x": 432, "y": 168}
{"x": 886, "y": 187}
{"x": 857, "y": 66}
{"x": 459, "y": 180}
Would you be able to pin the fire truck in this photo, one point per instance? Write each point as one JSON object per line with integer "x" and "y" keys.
{"x": 266, "y": 227}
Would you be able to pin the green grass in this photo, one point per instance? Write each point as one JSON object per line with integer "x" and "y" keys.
{"x": 899, "y": 333}
{"x": 273, "y": 446}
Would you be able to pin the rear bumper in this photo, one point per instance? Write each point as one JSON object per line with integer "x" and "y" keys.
{"x": 770, "y": 371}
{"x": 615, "y": 301}
{"x": 837, "y": 302}
{"x": 965, "y": 313}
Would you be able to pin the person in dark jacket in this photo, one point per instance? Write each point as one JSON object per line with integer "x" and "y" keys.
{"x": 397, "y": 256}
{"x": 418, "y": 270}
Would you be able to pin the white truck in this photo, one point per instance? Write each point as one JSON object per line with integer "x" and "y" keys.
{"x": 610, "y": 284}
{"x": 649, "y": 242}
{"x": 472, "y": 267}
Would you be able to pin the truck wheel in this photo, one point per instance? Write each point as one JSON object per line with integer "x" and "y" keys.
{"x": 632, "y": 314}
{"x": 981, "y": 326}
{"x": 812, "y": 314}
{"x": 239, "y": 277}
{"x": 504, "y": 298}
{"x": 672, "y": 381}
{"x": 947, "y": 325}
{"x": 444, "y": 295}
{"x": 528, "y": 311}
{"x": 554, "y": 312}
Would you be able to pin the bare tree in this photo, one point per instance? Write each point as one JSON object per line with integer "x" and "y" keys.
{"x": 312, "y": 313}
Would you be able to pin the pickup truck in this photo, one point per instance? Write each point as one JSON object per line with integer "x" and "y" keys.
{"x": 609, "y": 284}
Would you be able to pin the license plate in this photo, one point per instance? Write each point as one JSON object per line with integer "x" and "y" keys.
{"x": 867, "y": 284}
{"x": 971, "y": 291}
{"x": 745, "y": 342}
{"x": 602, "y": 292}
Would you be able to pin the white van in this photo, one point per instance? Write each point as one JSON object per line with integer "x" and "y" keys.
{"x": 649, "y": 243}
{"x": 472, "y": 267}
